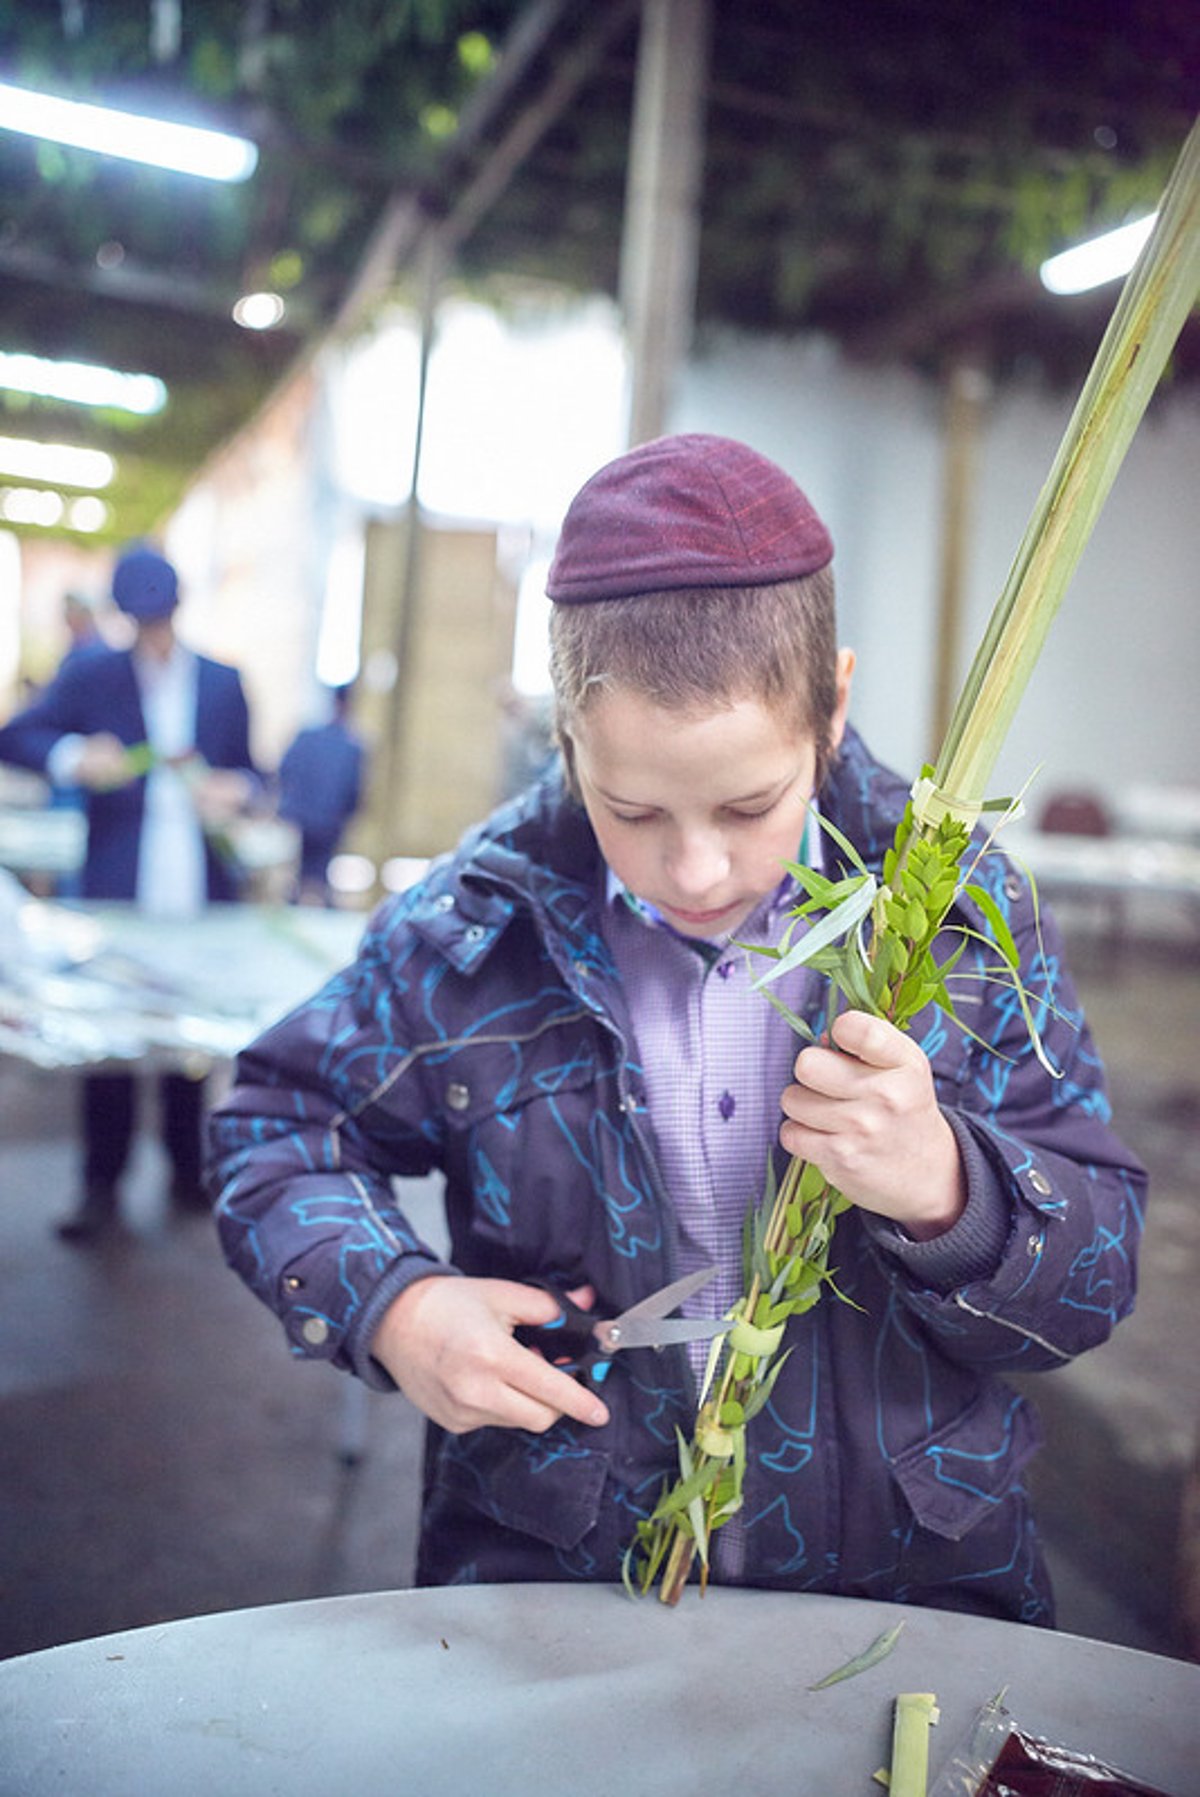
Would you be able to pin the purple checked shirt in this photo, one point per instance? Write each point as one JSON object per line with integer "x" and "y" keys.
{"x": 715, "y": 1058}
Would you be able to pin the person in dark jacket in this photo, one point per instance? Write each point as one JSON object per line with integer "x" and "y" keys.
{"x": 320, "y": 788}
{"x": 561, "y": 1018}
{"x": 149, "y": 814}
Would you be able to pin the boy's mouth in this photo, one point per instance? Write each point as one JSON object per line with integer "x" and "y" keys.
{"x": 698, "y": 919}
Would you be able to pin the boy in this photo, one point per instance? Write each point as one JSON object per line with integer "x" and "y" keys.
{"x": 559, "y": 1018}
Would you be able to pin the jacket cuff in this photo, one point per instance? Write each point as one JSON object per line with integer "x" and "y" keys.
{"x": 970, "y": 1249}
{"x": 400, "y": 1275}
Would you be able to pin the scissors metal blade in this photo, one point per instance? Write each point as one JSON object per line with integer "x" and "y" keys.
{"x": 669, "y": 1297}
{"x": 647, "y": 1324}
{"x": 660, "y": 1332}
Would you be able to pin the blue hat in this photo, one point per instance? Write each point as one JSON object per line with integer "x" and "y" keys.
{"x": 145, "y": 585}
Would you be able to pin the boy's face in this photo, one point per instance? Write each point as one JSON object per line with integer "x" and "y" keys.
{"x": 696, "y": 812}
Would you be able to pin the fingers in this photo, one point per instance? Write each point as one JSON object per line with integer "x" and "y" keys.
{"x": 540, "y": 1393}
{"x": 857, "y": 1037}
{"x": 222, "y": 794}
{"x": 865, "y": 1112}
{"x": 103, "y": 762}
{"x": 448, "y": 1344}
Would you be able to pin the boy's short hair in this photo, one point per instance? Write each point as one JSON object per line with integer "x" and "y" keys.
{"x": 693, "y": 648}
{"x": 695, "y": 572}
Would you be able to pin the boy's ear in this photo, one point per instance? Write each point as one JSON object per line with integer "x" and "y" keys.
{"x": 566, "y": 746}
{"x": 844, "y": 678}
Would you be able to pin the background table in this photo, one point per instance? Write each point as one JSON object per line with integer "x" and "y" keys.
{"x": 87, "y": 985}
{"x": 547, "y": 1689}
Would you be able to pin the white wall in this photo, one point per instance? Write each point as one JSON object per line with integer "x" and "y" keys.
{"x": 526, "y": 403}
{"x": 1113, "y": 700}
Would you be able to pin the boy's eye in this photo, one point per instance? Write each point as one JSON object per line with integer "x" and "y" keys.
{"x": 633, "y": 817}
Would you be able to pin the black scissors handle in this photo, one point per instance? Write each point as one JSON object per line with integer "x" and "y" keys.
{"x": 567, "y": 1340}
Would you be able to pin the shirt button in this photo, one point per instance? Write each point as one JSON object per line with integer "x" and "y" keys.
{"x": 458, "y": 1096}
{"x": 315, "y": 1330}
{"x": 1040, "y": 1183}
{"x": 727, "y": 1105}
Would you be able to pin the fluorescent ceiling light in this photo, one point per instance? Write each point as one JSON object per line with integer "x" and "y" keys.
{"x": 47, "y": 510}
{"x": 1105, "y": 258}
{"x": 187, "y": 149}
{"x": 82, "y": 383}
{"x": 57, "y": 463}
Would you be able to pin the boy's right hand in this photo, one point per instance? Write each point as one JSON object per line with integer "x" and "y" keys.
{"x": 448, "y": 1344}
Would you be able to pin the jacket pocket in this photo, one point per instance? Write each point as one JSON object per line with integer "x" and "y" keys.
{"x": 962, "y": 1472}
{"x": 547, "y": 1486}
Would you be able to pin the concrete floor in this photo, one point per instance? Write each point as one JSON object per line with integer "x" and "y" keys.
{"x": 161, "y": 1455}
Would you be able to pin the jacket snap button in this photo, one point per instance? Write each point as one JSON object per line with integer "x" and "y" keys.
{"x": 294, "y": 1282}
{"x": 315, "y": 1330}
{"x": 1012, "y": 887}
{"x": 445, "y": 902}
{"x": 458, "y": 1096}
{"x": 476, "y": 933}
{"x": 1040, "y": 1183}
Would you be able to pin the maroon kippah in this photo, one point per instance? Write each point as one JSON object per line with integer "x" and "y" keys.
{"x": 685, "y": 511}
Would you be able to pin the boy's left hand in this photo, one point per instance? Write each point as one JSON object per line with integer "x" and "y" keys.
{"x": 865, "y": 1112}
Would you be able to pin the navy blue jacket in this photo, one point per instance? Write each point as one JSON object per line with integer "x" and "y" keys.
{"x": 99, "y": 691}
{"x": 483, "y": 1030}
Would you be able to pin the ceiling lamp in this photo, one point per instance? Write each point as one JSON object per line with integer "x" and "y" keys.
{"x": 185, "y": 149}
{"x": 44, "y": 509}
{"x": 1102, "y": 259}
{"x": 259, "y": 311}
{"x": 58, "y": 463}
{"x": 82, "y": 383}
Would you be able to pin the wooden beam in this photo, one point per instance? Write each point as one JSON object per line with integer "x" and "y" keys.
{"x": 660, "y": 245}
{"x": 967, "y": 392}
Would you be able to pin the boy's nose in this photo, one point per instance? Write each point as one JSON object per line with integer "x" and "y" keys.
{"x": 697, "y": 865}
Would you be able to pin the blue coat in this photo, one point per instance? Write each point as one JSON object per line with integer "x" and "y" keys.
{"x": 320, "y": 780}
{"x": 98, "y": 691}
{"x": 483, "y": 1030}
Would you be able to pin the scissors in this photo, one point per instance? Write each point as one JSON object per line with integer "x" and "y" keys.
{"x": 583, "y": 1344}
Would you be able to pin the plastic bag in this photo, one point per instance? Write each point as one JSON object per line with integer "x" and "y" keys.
{"x": 999, "y": 1759}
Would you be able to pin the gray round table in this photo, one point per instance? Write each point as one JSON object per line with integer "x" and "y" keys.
{"x": 542, "y": 1689}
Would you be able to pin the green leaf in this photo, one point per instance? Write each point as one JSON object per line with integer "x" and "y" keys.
{"x": 847, "y": 847}
{"x": 812, "y": 1182}
{"x": 879, "y": 1649}
{"x": 838, "y": 922}
{"x": 692, "y": 1486}
{"x": 998, "y": 923}
{"x": 761, "y": 1394}
{"x": 792, "y": 1018}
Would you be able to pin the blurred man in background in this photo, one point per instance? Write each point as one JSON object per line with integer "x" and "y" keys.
{"x": 320, "y": 788}
{"x": 158, "y": 738}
